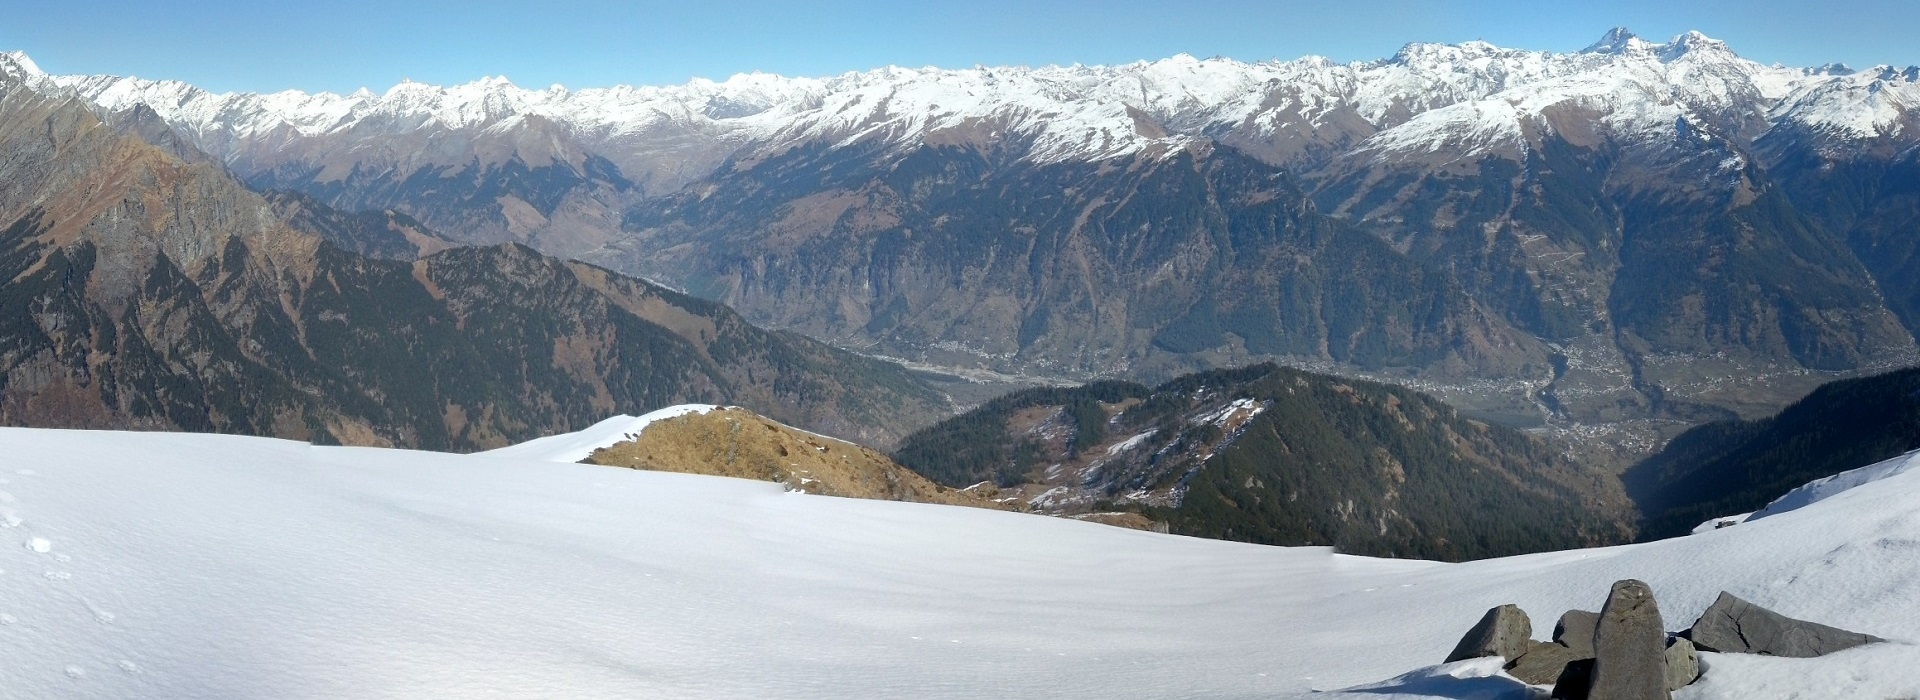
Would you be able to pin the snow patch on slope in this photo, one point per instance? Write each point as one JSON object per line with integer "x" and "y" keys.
{"x": 578, "y": 445}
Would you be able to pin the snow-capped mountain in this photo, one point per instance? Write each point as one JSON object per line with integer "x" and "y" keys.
{"x": 1076, "y": 112}
{"x": 146, "y": 290}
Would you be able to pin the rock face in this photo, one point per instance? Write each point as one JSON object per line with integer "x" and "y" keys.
{"x": 1683, "y": 665}
{"x": 1504, "y": 631}
{"x": 1544, "y": 662}
{"x": 1575, "y": 631}
{"x": 1737, "y": 626}
{"x": 1629, "y": 646}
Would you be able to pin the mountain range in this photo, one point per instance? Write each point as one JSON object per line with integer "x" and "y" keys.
{"x": 147, "y": 288}
{"x": 1598, "y": 237}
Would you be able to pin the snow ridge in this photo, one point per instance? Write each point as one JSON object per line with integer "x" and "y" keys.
{"x": 1426, "y": 98}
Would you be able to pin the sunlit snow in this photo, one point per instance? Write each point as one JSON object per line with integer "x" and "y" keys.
{"x": 168, "y": 565}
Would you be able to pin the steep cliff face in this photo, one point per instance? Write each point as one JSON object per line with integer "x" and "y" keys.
{"x": 145, "y": 291}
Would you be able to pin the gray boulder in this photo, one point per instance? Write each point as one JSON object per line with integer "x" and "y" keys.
{"x": 1575, "y": 631}
{"x": 1504, "y": 631}
{"x": 1629, "y": 646}
{"x": 1542, "y": 663}
{"x": 1683, "y": 665}
{"x": 1736, "y": 626}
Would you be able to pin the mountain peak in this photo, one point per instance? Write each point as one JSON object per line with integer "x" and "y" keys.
{"x": 1616, "y": 40}
{"x": 1691, "y": 42}
{"x": 1619, "y": 41}
{"x": 19, "y": 59}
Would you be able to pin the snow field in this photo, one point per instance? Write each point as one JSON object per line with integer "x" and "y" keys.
{"x": 168, "y": 565}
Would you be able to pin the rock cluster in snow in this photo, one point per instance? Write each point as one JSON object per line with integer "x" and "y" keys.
{"x": 1623, "y": 653}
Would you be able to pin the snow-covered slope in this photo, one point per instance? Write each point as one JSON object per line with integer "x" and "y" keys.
{"x": 1823, "y": 489}
{"x": 577, "y": 445}
{"x": 167, "y": 565}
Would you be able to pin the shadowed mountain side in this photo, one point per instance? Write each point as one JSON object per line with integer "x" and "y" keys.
{"x": 1733, "y": 467}
{"x": 1278, "y": 456}
{"x": 142, "y": 291}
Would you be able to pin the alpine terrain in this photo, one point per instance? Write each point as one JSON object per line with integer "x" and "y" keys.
{"x": 1634, "y": 236}
{"x": 146, "y": 288}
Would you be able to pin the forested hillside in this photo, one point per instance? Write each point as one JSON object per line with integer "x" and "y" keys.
{"x": 1279, "y": 456}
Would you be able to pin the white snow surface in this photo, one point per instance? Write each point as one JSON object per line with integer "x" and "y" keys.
{"x": 173, "y": 565}
{"x": 1720, "y": 522}
{"x": 578, "y": 445}
{"x": 1821, "y": 489}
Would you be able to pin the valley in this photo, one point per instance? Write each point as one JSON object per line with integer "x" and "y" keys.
{"x": 1613, "y": 241}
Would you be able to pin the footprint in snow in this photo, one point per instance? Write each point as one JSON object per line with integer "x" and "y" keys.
{"x": 58, "y": 576}
{"x": 100, "y": 616}
{"x": 62, "y": 558}
{"x": 8, "y": 619}
{"x": 74, "y": 671}
{"x": 129, "y": 666}
{"x": 39, "y": 545}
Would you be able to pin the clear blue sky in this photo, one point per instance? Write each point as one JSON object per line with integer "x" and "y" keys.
{"x": 266, "y": 45}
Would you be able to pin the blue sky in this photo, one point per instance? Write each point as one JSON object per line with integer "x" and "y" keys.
{"x": 266, "y": 45}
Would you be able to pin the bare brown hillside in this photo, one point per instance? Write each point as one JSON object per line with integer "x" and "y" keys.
{"x": 738, "y": 443}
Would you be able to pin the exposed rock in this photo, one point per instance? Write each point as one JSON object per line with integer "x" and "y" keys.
{"x": 1504, "y": 631}
{"x": 1575, "y": 631}
{"x": 1543, "y": 662}
{"x": 1736, "y": 626}
{"x": 1683, "y": 665}
{"x": 1575, "y": 681}
{"x": 1629, "y": 661}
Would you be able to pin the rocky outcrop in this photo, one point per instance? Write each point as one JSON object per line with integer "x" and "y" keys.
{"x": 1732, "y": 625}
{"x": 1504, "y": 631}
{"x": 1629, "y": 661}
{"x": 1622, "y": 652}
